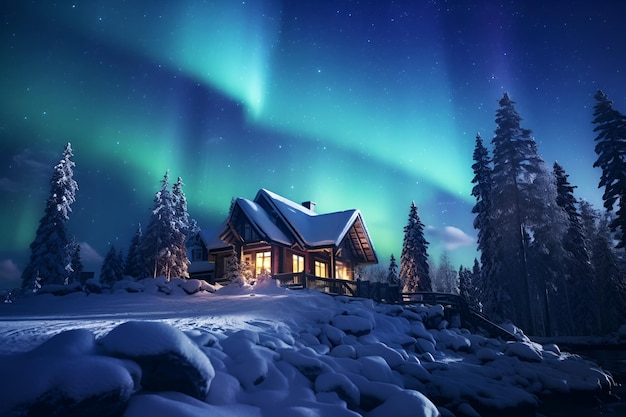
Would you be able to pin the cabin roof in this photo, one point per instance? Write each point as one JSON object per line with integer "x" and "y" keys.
{"x": 280, "y": 220}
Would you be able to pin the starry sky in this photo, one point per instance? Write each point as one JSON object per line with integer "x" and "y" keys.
{"x": 351, "y": 104}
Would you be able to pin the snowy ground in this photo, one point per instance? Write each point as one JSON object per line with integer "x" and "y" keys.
{"x": 265, "y": 352}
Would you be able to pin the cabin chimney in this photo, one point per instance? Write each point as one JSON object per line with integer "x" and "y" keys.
{"x": 309, "y": 204}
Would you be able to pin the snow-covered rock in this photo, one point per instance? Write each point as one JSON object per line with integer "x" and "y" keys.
{"x": 406, "y": 403}
{"x": 352, "y": 324}
{"x": 169, "y": 360}
{"x": 64, "y": 376}
{"x": 250, "y": 353}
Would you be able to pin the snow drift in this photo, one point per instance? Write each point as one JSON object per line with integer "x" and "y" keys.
{"x": 265, "y": 351}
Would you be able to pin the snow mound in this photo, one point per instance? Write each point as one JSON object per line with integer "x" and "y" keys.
{"x": 169, "y": 360}
{"x": 239, "y": 351}
{"x": 63, "y": 376}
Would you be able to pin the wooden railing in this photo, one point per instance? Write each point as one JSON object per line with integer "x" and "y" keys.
{"x": 327, "y": 285}
{"x": 457, "y": 304}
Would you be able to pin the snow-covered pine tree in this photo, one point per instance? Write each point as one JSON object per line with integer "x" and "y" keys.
{"x": 527, "y": 226}
{"x": 119, "y": 265}
{"x": 611, "y": 150}
{"x": 134, "y": 266}
{"x": 490, "y": 291}
{"x": 465, "y": 285}
{"x": 109, "y": 273}
{"x": 76, "y": 264}
{"x": 445, "y": 278}
{"x": 162, "y": 245}
{"x": 468, "y": 285}
{"x": 610, "y": 294}
{"x": 414, "y": 270}
{"x": 186, "y": 225}
{"x": 580, "y": 294}
{"x": 232, "y": 270}
{"x": 51, "y": 252}
{"x": 392, "y": 273}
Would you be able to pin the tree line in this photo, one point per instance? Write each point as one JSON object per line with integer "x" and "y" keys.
{"x": 549, "y": 262}
{"x": 159, "y": 251}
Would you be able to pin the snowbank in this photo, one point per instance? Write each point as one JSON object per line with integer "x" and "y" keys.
{"x": 267, "y": 352}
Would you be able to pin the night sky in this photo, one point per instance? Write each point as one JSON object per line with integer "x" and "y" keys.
{"x": 352, "y": 104}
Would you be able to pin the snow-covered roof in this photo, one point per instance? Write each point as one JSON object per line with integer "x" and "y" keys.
{"x": 312, "y": 228}
{"x": 280, "y": 220}
{"x": 262, "y": 221}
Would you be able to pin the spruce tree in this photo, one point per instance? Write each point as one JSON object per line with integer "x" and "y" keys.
{"x": 119, "y": 265}
{"x": 77, "y": 265}
{"x": 414, "y": 270}
{"x": 392, "y": 273}
{"x": 445, "y": 278}
{"x": 51, "y": 251}
{"x": 184, "y": 222}
{"x": 527, "y": 227}
{"x": 467, "y": 288}
{"x": 489, "y": 290}
{"x": 185, "y": 226}
{"x": 134, "y": 266}
{"x": 579, "y": 291}
{"x": 232, "y": 269}
{"x": 611, "y": 150}
{"x": 162, "y": 246}
{"x": 610, "y": 294}
{"x": 109, "y": 273}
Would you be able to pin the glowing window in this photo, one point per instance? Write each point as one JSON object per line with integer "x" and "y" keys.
{"x": 321, "y": 269}
{"x": 341, "y": 271}
{"x": 298, "y": 263}
{"x": 263, "y": 262}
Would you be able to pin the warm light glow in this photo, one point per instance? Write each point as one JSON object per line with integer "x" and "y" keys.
{"x": 263, "y": 262}
{"x": 321, "y": 269}
{"x": 298, "y": 263}
{"x": 341, "y": 271}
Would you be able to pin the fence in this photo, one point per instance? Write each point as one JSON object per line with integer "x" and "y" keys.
{"x": 377, "y": 291}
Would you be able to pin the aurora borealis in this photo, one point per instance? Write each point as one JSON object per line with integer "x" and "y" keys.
{"x": 366, "y": 105}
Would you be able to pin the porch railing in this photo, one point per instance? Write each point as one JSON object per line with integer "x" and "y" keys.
{"x": 327, "y": 285}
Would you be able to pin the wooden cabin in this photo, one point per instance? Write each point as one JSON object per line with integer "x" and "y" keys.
{"x": 285, "y": 239}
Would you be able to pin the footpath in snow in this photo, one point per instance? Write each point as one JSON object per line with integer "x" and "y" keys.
{"x": 266, "y": 351}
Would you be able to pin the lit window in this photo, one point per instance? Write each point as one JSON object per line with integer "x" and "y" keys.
{"x": 298, "y": 263}
{"x": 341, "y": 271}
{"x": 321, "y": 269}
{"x": 263, "y": 262}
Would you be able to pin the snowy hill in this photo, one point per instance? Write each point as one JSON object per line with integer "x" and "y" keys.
{"x": 265, "y": 351}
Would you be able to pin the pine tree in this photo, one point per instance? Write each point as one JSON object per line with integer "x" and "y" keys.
{"x": 487, "y": 247}
{"x": 232, "y": 270}
{"x": 611, "y": 150}
{"x": 473, "y": 287}
{"x": 579, "y": 291}
{"x": 77, "y": 265}
{"x": 184, "y": 223}
{"x": 445, "y": 278}
{"x": 163, "y": 245}
{"x": 134, "y": 265}
{"x": 51, "y": 251}
{"x": 414, "y": 270}
{"x": 119, "y": 265}
{"x": 109, "y": 273}
{"x": 467, "y": 288}
{"x": 392, "y": 274}
{"x": 526, "y": 222}
{"x": 610, "y": 294}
